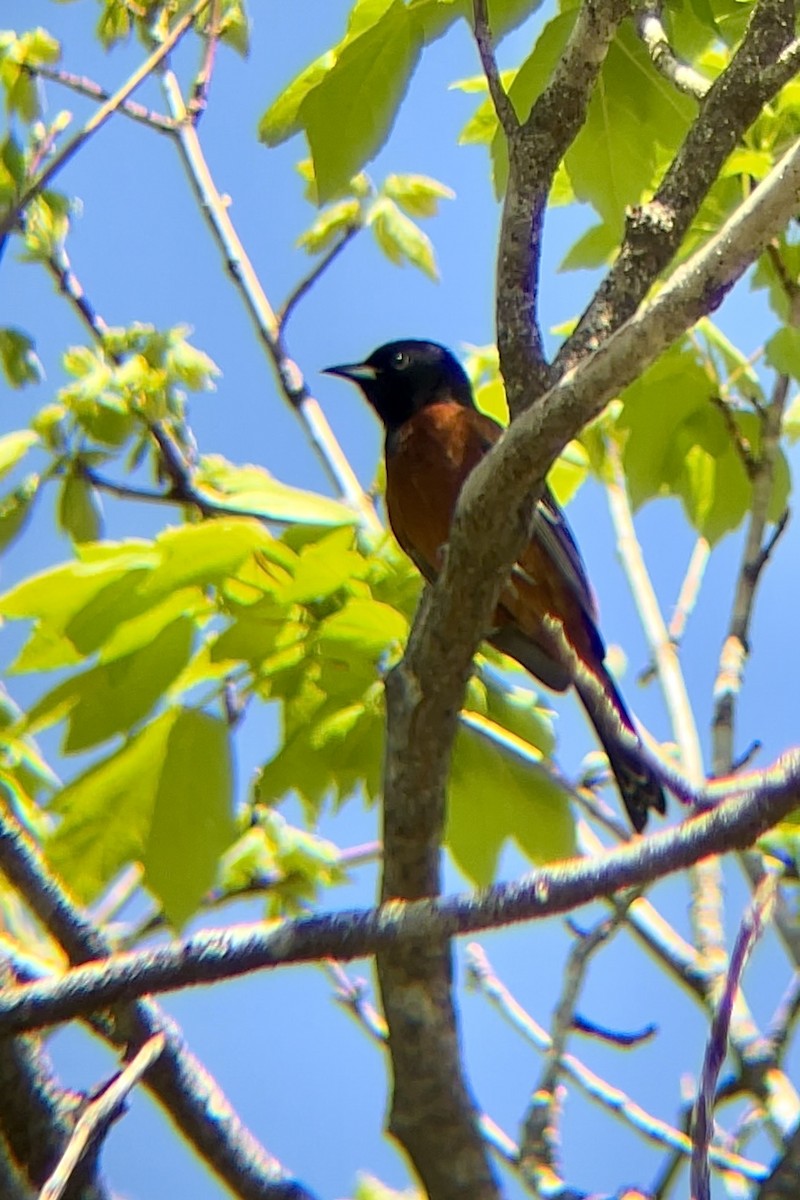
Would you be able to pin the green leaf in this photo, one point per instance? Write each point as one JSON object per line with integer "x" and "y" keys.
{"x": 782, "y": 351}
{"x": 500, "y": 792}
{"x": 419, "y": 195}
{"x": 331, "y": 224}
{"x": 14, "y": 447}
{"x": 253, "y": 490}
{"x": 57, "y": 594}
{"x": 114, "y": 696}
{"x": 18, "y": 358}
{"x": 164, "y": 798}
{"x": 107, "y": 811}
{"x": 324, "y": 567}
{"x": 204, "y": 554}
{"x": 192, "y": 820}
{"x": 632, "y": 105}
{"x": 363, "y": 628}
{"x": 282, "y": 119}
{"x": 595, "y": 248}
{"x": 16, "y": 510}
{"x": 568, "y": 472}
{"x": 791, "y": 421}
{"x": 655, "y": 407}
{"x": 80, "y": 513}
{"x": 348, "y": 114}
{"x": 400, "y": 238}
{"x": 46, "y": 226}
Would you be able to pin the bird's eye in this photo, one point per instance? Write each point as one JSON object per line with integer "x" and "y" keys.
{"x": 400, "y": 360}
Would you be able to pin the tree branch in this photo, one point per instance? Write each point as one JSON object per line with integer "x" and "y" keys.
{"x": 178, "y": 1080}
{"x": 97, "y": 1117}
{"x": 754, "y": 804}
{"x": 293, "y": 386}
{"x": 717, "y": 1047}
{"x": 87, "y": 87}
{"x": 754, "y": 559}
{"x": 655, "y": 230}
{"x": 483, "y": 39}
{"x": 98, "y": 119}
{"x": 650, "y": 28}
{"x": 600, "y": 1090}
{"x": 317, "y": 271}
{"x": 534, "y": 151}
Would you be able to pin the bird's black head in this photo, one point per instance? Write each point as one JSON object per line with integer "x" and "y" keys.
{"x": 401, "y": 378}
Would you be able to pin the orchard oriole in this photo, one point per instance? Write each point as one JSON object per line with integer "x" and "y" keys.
{"x": 434, "y": 437}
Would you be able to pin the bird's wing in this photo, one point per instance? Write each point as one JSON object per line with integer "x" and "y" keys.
{"x": 550, "y": 527}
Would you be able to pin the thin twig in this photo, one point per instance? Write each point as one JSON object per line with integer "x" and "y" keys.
{"x": 650, "y": 28}
{"x": 539, "y": 1126}
{"x": 785, "y": 1018}
{"x": 293, "y": 386}
{"x": 740, "y": 442}
{"x": 751, "y": 928}
{"x": 706, "y": 908}
{"x": 320, "y": 267}
{"x": 661, "y": 644}
{"x": 98, "y": 1115}
{"x": 67, "y": 282}
{"x": 352, "y": 996}
{"x": 690, "y": 589}
{"x": 754, "y": 558}
{"x": 604, "y": 1093}
{"x": 198, "y": 101}
{"x": 87, "y": 87}
{"x": 500, "y": 98}
{"x": 99, "y": 118}
{"x": 686, "y": 601}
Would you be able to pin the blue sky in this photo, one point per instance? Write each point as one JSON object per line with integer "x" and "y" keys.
{"x": 300, "y": 1072}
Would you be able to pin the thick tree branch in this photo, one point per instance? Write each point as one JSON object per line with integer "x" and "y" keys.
{"x": 535, "y": 149}
{"x": 178, "y": 1080}
{"x": 489, "y": 523}
{"x": 36, "y": 1113}
{"x": 432, "y": 1111}
{"x": 754, "y": 804}
{"x": 655, "y": 230}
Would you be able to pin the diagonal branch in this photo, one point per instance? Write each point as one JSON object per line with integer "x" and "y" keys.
{"x": 483, "y": 39}
{"x": 87, "y": 87}
{"x": 294, "y": 388}
{"x": 655, "y": 230}
{"x": 534, "y": 151}
{"x": 650, "y": 28}
{"x": 99, "y": 118}
{"x": 425, "y": 693}
{"x": 178, "y": 1080}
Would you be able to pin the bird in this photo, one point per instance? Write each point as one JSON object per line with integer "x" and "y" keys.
{"x": 434, "y": 436}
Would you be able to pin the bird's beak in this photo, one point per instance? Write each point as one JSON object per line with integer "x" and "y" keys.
{"x": 358, "y": 372}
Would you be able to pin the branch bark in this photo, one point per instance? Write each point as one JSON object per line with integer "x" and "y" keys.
{"x": 755, "y": 805}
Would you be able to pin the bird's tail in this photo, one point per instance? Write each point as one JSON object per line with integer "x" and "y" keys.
{"x": 638, "y": 784}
